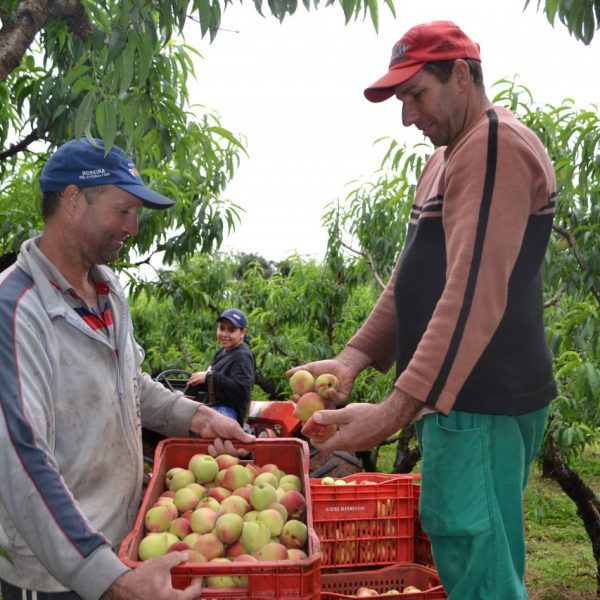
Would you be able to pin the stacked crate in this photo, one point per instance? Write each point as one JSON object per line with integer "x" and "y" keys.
{"x": 370, "y": 536}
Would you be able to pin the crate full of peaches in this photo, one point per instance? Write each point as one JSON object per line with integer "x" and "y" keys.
{"x": 226, "y": 511}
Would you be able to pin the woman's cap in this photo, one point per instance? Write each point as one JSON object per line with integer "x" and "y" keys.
{"x": 236, "y": 316}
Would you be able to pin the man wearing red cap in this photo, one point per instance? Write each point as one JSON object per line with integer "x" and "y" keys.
{"x": 462, "y": 317}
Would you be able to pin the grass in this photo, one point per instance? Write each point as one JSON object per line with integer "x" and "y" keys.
{"x": 560, "y": 562}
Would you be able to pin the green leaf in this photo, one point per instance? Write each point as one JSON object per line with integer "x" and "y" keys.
{"x": 74, "y": 74}
{"x": 205, "y": 12}
{"x": 126, "y": 59}
{"x": 4, "y": 554}
{"x": 117, "y": 42}
{"x": 83, "y": 84}
{"x": 551, "y": 9}
{"x": 84, "y": 113}
{"x": 97, "y": 12}
{"x": 101, "y": 110}
{"x": 145, "y": 56}
{"x": 390, "y": 5}
{"x": 348, "y": 7}
{"x": 225, "y": 133}
{"x": 374, "y": 12}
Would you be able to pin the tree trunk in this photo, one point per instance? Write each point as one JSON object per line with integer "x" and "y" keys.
{"x": 587, "y": 503}
{"x": 406, "y": 457}
{"x": 267, "y": 385}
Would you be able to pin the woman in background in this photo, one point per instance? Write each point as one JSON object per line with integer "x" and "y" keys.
{"x": 228, "y": 381}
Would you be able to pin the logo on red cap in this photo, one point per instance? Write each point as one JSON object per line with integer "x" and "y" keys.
{"x": 399, "y": 52}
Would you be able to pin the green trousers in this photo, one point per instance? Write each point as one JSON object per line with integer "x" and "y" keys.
{"x": 474, "y": 471}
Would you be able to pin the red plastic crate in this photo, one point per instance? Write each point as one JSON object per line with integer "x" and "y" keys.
{"x": 364, "y": 525}
{"x": 422, "y": 544}
{"x": 345, "y": 585}
{"x": 298, "y": 579}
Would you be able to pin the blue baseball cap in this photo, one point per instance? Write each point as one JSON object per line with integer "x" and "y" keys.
{"x": 236, "y": 316}
{"x": 81, "y": 163}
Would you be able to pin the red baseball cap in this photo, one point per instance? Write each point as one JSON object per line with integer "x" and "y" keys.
{"x": 428, "y": 42}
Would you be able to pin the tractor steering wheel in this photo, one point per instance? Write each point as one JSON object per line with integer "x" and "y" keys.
{"x": 174, "y": 379}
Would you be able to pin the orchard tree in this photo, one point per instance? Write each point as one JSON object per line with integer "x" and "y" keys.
{"x": 119, "y": 70}
{"x": 298, "y": 310}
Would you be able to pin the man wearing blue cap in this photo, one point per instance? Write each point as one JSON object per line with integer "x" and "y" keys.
{"x": 74, "y": 397}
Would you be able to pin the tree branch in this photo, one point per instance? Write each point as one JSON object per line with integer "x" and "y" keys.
{"x": 578, "y": 257}
{"x": 17, "y": 34}
{"x": 556, "y": 298}
{"x": 369, "y": 260}
{"x": 20, "y": 146}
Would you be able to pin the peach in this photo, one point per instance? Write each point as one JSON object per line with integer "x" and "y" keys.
{"x": 219, "y": 493}
{"x": 318, "y": 431}
{"x": 228, "y": 527}
{"x": 203, "y": 520}
{"x": 204, "y": 467}
{"x": 153, "y": 545}
{"x": 226, "y": 460}
{"x": 302, "y": 381}
{"x": 219, "y": 581}
{"x": 210, "y": 546}
{"x": 235, "y": 504}
{"x": 158, "y": 518}
{"x": 290, "y": 482}
{"x": 296, "y": 554}
{"x": 178, "y": 477}
{"x": 255, "y": 535}
{"x": 271, "y": 551}
{"x": 235, "y": 477}
{"x": 272, "y": 519}
{"x": 185, "y": 499}
{"x": 261, "y": 495}
{"x": 295, "y": 504}
{"x": 324, "y": 383}
{"x": 294, "y": 534}
{"x": 180, "y": 527}
{"x": 235, "y": 549}
{"x": 266, "y": 477}
{"x": 307, "y": 405}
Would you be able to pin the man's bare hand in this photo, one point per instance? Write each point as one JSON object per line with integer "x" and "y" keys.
{"x": 153, "y": 580}
{"x": 208, "y": 423}
{"x": 220, "y": 446}
{"x": 362, "y": 426}
{"x": 334, "y": 367}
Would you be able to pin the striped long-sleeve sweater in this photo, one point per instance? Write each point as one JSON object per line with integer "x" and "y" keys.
{"x": 462, "y": 314}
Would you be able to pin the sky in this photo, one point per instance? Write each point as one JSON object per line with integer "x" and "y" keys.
{"x": 295, "y": 92}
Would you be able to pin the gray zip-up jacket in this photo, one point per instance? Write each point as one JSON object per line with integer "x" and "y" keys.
{"x": 71, "y": 411}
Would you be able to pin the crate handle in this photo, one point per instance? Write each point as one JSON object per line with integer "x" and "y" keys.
{"x": 125, "y": 545}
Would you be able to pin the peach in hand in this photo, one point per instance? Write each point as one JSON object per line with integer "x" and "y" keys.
{"x": 318, "y": 431}
{"x": 307, "y": 405}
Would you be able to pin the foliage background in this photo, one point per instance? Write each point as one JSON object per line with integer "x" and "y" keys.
{"x": 119, "y": 70}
